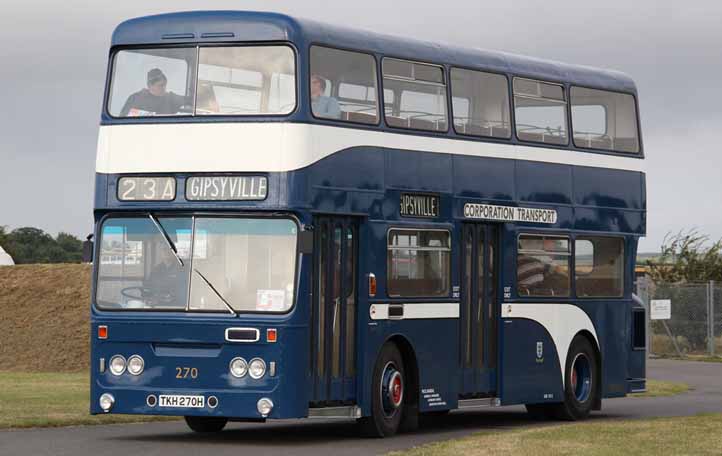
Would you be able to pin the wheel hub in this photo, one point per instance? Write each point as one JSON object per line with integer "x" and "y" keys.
{"x": 392, "y": 389}
{"x": 581, "y": 378}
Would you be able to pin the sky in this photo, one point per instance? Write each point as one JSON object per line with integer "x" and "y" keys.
{"x": 54, "y": 59}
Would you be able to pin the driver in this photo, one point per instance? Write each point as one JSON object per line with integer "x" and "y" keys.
{"x": 155, "y": 99}
{"x": 167, "y": 281}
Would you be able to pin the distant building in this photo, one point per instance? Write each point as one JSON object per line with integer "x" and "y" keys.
{"x": 5, "y": 259}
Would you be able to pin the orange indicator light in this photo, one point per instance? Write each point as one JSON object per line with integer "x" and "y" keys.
{"x": 271, "y": 335}
{"x": 102, "y": 332}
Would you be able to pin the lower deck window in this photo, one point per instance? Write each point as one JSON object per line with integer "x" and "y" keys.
{"x": 419, "y": 263}
{"x": 543, "y": 266}
{"x": 599, "y": 266}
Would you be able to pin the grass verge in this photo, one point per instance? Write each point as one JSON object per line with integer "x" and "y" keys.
{"x": 659, "y": 388}
{"x": 43, "y": 399}
{"x": 694, "y": 435}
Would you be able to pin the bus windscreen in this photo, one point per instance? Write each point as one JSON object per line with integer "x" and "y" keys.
{"x": 203, "y": 81}
{"x": 202, "y": 264}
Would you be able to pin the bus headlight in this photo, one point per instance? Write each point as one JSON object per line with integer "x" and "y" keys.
{"x": 238, "y": 367}
{"x": 264, "y": 406}
{"x": 135, "y": 365}
{"x": 257, "y": 368}
{"x": 117, "y": 365}
{"x": 106, "y": 402}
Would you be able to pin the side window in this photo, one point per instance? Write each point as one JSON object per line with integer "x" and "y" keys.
{"x": 343, "y": 85}
{"x": 481, "y": 103}
{"x": 419, "y": 95}
{"x": 543, "y": 265}
{"x": 540, "y": 109}
{"x": 599, "y": 266}
{"x": 604, "y": 120}
{"x": 419, "y": 263}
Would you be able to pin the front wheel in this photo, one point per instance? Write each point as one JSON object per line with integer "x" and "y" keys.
{"x": 206, "y": 424}
{"x": 388, "y": 394}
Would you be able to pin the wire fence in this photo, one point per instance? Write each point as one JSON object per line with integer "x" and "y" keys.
{"x": 693, "y": 324}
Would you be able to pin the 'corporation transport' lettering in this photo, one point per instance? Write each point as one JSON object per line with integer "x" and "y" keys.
{"x": 509, "y": 213}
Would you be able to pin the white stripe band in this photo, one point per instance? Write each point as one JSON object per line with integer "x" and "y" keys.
{"x": 414, "y": 311}
{"x": 278, "y": 147}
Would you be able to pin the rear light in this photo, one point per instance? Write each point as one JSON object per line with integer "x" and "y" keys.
{"x": 372, "y": 285}
{"x": 102, "y": 332}
{"x": 271, "y": 335}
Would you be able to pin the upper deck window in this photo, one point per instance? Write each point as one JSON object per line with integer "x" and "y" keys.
{"x": 419, "y": 100}
{"x": 480, "y": 102}
{"x": 152, "y": 82}
{"x": 540, "y": 109}
{"x": 343, "y": 85}
{"x": 201, "y": 81}
{"x": 604, "y": 120}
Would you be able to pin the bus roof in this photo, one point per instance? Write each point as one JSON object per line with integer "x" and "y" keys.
{"x": 224, "y": 26}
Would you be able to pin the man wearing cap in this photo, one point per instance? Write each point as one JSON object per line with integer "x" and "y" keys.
{"x": 154, "y": 100}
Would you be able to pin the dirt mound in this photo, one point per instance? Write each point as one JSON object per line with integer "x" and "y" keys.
{"x": 44, "y": 317}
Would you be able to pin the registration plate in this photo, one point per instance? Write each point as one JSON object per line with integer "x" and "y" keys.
{"x": 177, "y": 400}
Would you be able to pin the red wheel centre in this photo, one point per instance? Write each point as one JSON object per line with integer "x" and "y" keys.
{"x": 396, "y": 389}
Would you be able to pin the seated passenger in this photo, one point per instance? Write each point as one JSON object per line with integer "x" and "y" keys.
{"x": 206, "y": 102}
{"x": 154, "y": 100}
{"x": 322, "y": 105}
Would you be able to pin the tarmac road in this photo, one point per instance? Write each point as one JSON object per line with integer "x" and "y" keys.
{"x": 307, "y": 437}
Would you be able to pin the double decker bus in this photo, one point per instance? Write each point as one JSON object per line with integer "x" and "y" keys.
{"x": 295, "y": 219}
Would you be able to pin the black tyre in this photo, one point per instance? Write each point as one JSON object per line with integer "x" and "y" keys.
{"x": 581, "y": 386}
{"x": 206, "y": 423}
{"x": 388, "y": 396}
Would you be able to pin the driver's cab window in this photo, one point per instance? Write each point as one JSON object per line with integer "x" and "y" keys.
{"x": 419, "y": 100}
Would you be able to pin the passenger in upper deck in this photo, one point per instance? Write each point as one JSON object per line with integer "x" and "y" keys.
{"x": 322, "y": 105}
{"x": 154, "y": 100}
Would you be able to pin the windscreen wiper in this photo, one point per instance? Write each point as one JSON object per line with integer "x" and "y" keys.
{"x": 167, "y": 238}
{"x": 228, "y": 306}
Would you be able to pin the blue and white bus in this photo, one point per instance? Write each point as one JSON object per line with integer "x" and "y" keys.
{"x": 296, "y": 220}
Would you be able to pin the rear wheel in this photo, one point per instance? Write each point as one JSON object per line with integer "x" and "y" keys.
{"x": 388, "y": 394}
{"x": 206, "y": 423}
{"x": 581, "y": 387}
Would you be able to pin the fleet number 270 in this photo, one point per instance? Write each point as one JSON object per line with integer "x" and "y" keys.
{"x": 186, "y": 372}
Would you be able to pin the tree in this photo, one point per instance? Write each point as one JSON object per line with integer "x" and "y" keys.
{"x": 32, "y": 245}
{"x": 687, "y": 257}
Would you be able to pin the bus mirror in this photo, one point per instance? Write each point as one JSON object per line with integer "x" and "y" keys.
{"x": 88, "y": 249}
{"x": 305, "y": 242}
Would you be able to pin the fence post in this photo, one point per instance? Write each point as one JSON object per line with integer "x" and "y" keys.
{"x": 711, "y": 319}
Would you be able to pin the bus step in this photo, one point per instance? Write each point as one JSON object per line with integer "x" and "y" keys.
{"x": 351, "y": 411}
{"x": 467, "y": 404}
